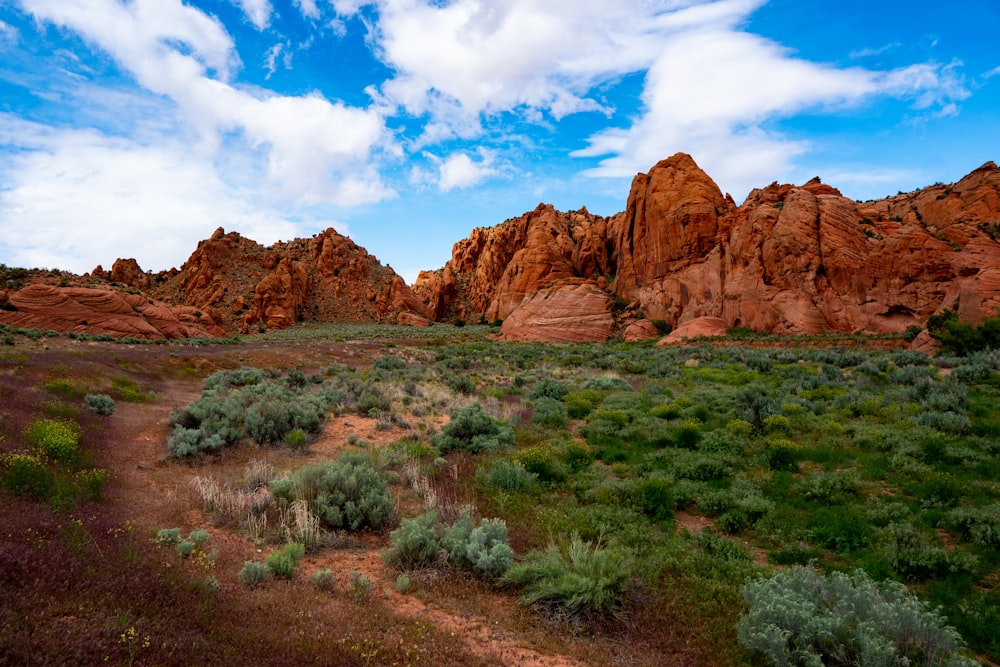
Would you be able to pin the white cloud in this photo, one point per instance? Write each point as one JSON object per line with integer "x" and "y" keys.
{"x": 315, "y": 150}
{"x": 271, "y": 56}
{"x": 712, "y": 88}
{"x": 8, "y": 34}
{"x": 459, "y": 171}
{"x": 992, "y": 73}
{"x": 258, "y": 11}
{"x": 308, "y": 8}
{"x": 76, "y": 198}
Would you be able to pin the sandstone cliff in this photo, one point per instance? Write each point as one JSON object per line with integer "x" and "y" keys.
{"x": 326, "y": 278}
{"x": 790, "y": 259}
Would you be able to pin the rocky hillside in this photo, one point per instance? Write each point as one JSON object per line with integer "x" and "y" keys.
{"x": 790, "y": 259}
{"x": 229, "y": 283}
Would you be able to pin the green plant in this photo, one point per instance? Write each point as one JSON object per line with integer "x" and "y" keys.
{"x": 483, "y": 549}
{"x": 414, "y": 543}
{"x": 473, "y": 430}
{"x": 91, "y": 482}
{"x": 361, "y": 585}
{"x": 801, "y": 617}
{"x": 504, "y": 475}
{"x": 168, "y": 536}
{"x": 102, "y": 404}
{"x": 57, "y": 440}
{"x": 324, "y": 580}
{"x": 252, "y": 574}
{"x": 403, "y": 584}
{"x": 26, "y": 475}
{"x": 574, "y": 579}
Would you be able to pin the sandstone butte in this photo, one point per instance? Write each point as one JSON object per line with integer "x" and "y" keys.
{"x": 790, "y": 259}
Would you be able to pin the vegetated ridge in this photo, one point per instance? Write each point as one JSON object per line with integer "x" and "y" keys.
{"x": 790, "y": 259}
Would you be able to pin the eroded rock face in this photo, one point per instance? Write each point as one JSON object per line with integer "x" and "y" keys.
{"x": 700, "y": 327}
{"x": 790, "y": 259}
{"x": 127, "y": 271}
{"x": 104, "y": 311}
{"x": 571, "y": 311}
{"x": 325, "y": 278}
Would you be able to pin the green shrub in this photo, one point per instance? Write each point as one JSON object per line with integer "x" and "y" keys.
{"x": 782, "y": 455}
{"x": 414, "y": 543}
{"x": 26, "y": 475}
{"x": 168, "y": 536}
{"x": 504, "y": 475}
{"x": 91, "y": 482}
{"x": 687, "y": 434}
{"x": 483, "y": 549}
{"x": 549, "y": 388}
{"x": 979, "y": 524}
{"x": 252, "y": 574}
{"x": 549, "y": 412}
{"x": 473, "y": 430}
{"x": 324, "y": 580}
{"x": 282, "y": 564}
{"x": 541, "y": 462}
{"x": 296, "y": 438}
{"x": 961, "y": 338}
{"x": 578, "y": 578}
{"x": 361, "y": 585}
{"x": 184, "y": 548}
{"x": 102, "y": 404}
{"x": 800, "y": 617}
{"x": 403, "y": 584}
{"x": 57, "y": 440}
{"x": 346, "y": 493}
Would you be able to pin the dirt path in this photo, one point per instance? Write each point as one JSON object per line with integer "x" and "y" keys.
{"x": 158, "y": 494}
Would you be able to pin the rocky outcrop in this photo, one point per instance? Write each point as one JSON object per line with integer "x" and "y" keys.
{"x": 128, "y": 272}
{"x": 571, "y": 311}
{"x": 790, "y": 259}
{"x": 700, "y": 327}
{"x": 104, "y": 311}
{"x": 325, "y": 278}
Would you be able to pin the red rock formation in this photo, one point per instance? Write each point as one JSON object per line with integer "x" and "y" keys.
{"x": 696, "y": 328}
{"x": 572, "y": 310}
{"x": 325, "y": 278}
{"x": 104, "y": 311}
{"x": 640, "y": 330}
{"x": 790, "y": 259}
{"x": 128, "y": 272}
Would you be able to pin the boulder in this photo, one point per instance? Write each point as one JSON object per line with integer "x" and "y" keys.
{"x": 701, "y": 327}
{"x": 571, "y": 311}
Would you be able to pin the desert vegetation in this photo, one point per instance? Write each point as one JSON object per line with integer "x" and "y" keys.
{"x": 364, "y": 497}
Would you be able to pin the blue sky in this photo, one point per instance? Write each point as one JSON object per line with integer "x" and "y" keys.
{"x": 134, "y": 128}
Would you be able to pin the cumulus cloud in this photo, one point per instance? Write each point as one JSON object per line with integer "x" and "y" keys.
{"x": 8, "y": 34}
{"x": 459, "y": 171}
{"x": 88, "y": 195}
{"x": 308, "y": 8}
{"x": 316, "y": 150}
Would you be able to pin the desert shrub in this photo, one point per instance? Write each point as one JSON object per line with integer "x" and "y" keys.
{"x": 607, "y": 384}
{"x": 579, "y": 404}
{"x": 831, "y": 487}
{"x": 372, "y": 400}
{"x": 504, "y": 475}
{"x": 578, "y": 578}
{"x": 252, "y": 574}
{"x": 483, "y": 549}
{"x": 91, "y": 482}
{"x": 403, "y": 584}
{"x": 282, "y": 564}
{"x": 840, "y": 529}
{"x": 296, "y": 438}
{"x": 241, "y": 377}
{"x": 549, "y": 388}
{"x": 324, "y": 580}
{"x": 961, "y": 338}
{"x": 800, "y": 617}
{"x": 549, "y": 412}
{"x": 471, "y": 429}
{"x": 577, "y": 457}
{"x": 978, "y": 524}
{"x": 388, "y": 363}
{"x": 168, "y": 536}
{"x": 57, "y": 440}
{"x": 184, "y": 548}
{"x": 346, "y": 493}
{"x": 782, "y": 455}
{"x": 656, "y": 498}
{"x": 687, "y": 434}
{"x": 414, "y": 543}
{"x": 541, "y": 462}
{"x": 183, "y": 442}
{"x": 755, "y": 406}
{"x": 361, "y": 585}
{"x": 102, "y": 404}
{"x": 26, "y": 475}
